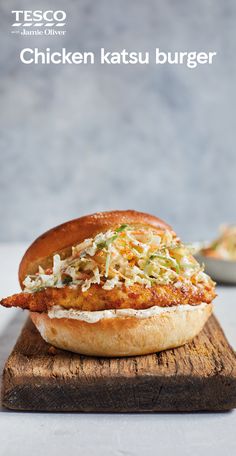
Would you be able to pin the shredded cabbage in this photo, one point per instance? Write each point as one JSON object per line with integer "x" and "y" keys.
{"x": 126, "y": 255}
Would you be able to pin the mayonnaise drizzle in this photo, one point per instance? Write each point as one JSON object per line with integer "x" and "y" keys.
{"x": 95, "y": 316}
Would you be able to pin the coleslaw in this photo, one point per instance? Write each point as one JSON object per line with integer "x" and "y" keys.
{"x": 123, "y": 256}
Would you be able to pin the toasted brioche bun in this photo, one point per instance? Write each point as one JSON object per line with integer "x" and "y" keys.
{"x": 61, "y": 238}
{"x": 123, "y": 336}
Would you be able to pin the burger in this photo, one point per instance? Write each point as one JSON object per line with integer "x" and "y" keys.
{"x": 117, "y": 283}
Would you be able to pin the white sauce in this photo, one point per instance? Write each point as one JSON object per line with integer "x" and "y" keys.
{"x": 93, "y": 317}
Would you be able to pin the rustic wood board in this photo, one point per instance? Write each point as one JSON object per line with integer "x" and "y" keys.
{"x": 198, "y": 376}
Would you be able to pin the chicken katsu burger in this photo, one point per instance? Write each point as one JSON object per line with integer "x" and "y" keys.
{"x": 116, "y": 283}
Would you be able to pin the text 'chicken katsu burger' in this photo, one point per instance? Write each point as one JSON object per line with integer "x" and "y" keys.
{"x": 115, "y": 283}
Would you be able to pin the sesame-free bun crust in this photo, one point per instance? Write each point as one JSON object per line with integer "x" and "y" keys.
{"x": 61, "y": 238}
{"x": 123, "y": 336}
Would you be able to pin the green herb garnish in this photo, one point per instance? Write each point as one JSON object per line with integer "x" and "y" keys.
{"x": 101, "y": 245}
{"x": 121, "y": 228}
{"x": 67, "y": 280}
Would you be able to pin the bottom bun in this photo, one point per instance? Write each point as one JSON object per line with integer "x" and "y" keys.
{"x": 124, "y": 336}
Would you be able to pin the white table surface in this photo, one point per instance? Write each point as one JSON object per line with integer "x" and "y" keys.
{"x": 109, "y": 434}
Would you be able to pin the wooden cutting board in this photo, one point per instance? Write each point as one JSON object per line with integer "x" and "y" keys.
{"x": 198, "y": 376}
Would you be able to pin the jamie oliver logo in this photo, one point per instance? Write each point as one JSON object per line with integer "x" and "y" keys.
{"x": 38, "y": 22}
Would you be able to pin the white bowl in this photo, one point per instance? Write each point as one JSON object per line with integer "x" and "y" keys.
{"x": 219, "y": 270}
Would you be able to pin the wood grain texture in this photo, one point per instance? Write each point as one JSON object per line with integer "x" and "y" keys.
{"x": 198, "y": 376}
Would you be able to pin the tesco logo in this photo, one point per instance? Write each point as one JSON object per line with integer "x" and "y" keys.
{"x": 49, "y": 18}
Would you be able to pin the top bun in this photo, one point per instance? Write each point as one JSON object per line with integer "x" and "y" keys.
{"x": 61, "y": 238}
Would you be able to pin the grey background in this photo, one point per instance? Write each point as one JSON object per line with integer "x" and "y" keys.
{"x": 77, "y": 139}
